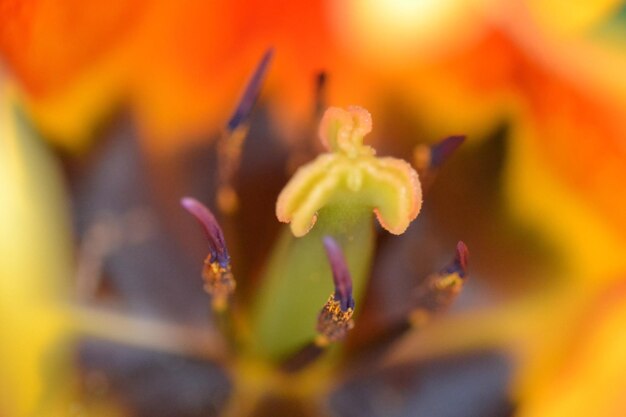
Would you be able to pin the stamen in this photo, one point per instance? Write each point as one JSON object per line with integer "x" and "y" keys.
{"x": 335, "y": 319}
{"x": 321, "y": 81}
{"x": 251, "y": 93}
{"x": 217, "y": 275}
{"x": 459, "y": 265}
{"x": 231, "y": 141}
{"x": 341, "y": 275}
{"x": 429, "y": 159}
{"x": 441, "y": 151}
{"x": 333, "y": 323}
{"x": 218, "y": 282}
{"x": 433, "y": 296}
{"x": 440, "y": 289}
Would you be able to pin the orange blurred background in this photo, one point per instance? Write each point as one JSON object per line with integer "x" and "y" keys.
{"x": 551, "y": 72}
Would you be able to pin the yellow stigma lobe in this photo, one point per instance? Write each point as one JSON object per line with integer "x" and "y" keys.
{"x": 350, "y": 173}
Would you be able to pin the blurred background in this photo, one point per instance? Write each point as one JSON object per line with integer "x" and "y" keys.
{"x": 110, "y": 113}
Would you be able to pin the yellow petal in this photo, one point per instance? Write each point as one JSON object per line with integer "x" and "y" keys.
{"x": 36, "y": 259}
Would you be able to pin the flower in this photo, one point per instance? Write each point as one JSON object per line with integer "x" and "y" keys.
{"x": 537, "y": 87}
{"x": 295, "y": 346}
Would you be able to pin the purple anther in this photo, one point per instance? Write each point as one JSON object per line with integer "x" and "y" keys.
{"x": 251, "y": 93}
{"x": 212, "y": 230}
{"x": 459, "y": 264}
{"x": 461, "y": 258}
{"x": 341, "y": 275}
{"x": 320, "y": 92}
{"x": 441, "y": 151}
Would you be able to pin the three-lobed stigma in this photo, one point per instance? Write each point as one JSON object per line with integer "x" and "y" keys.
{"x": 350, "y": 172}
